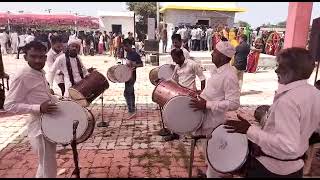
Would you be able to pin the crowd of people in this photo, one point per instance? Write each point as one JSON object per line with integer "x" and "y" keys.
{"x": 92, "y": 43}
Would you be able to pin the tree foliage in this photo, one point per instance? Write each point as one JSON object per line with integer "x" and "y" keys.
{"x": 243, "y": 23}
{"x": 143, "y": 11}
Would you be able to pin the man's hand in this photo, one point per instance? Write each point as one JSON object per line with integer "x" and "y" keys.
{"x": 241, "y": 126}
{"x": 48, "y": 107}
{"x": 198, "y": 104}
{"x": 91, "y": 69}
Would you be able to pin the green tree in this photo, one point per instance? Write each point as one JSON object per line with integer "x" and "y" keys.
{"x": 143, "y": 11}
{"x": 282, "y": 24}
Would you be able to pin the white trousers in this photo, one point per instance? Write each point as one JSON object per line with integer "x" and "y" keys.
{"x": 14, "y": 46}
{"x": 46, "y": 150}
{"x": 3, "y": 48}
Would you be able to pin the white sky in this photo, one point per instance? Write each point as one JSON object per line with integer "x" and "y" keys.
{"x": 257, "y": 12}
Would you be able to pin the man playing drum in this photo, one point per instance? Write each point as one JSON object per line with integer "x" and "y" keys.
{"x": 279, "y": 145}
{"x": 185, "y": 73}
{"x": 133, "y": 61}
{"x": 30, "y": 93}
{"x": 53, "y": 53}
{"x": 70, "y": 65}
{"x": 221, "y": 93}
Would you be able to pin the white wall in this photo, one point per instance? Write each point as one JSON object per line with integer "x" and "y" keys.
{"x": 175, "y": 17}
{"x": 126, "y": 22}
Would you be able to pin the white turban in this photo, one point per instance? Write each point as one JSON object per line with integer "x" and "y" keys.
{"x": 74, "y": 41}
{"x": 226, "y": 48}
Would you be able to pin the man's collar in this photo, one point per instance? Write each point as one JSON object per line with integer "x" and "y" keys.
{"x": 222, "y": 68}
{"x": 290, "y": 86}
{"x": 41, "y": 72}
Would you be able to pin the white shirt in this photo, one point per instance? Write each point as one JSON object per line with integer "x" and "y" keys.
{"x": 22, "y": 40}
{"x": 29, "y": 38}
{"x": 4, "y": 37}
{"x": 194, "y": 34}
{"x": 183, "y": 33}
{"x": 186, "y": 74}
{"x": 292, "y": 118}
{"x": 28, "y": 90}
{"x": 186, "y": 53}
{"x": 222, "y": 93}
{"x": 14, "y": 37}
{"x": 61, "y": 64}
{"x": 51, "y": 58}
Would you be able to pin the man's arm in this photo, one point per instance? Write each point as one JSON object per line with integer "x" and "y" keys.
{"x": 285, "y": 139}
{"x": 16, "y": 96}
{"x": 53, "y": 69}
{"x": 232, "y": 97}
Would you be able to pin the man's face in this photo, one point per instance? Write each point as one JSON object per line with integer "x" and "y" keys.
{"x": 74, "y": 50}
{"x": 216, "y": 57}
{"x": 36, "y": 58}
{"x": 57, "y": 47}
{"x": 178, "y": 59}
{"x": 285, "y": 74}
{"x": 176, "y": 43}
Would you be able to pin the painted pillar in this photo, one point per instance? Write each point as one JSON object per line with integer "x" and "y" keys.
{"x": 298, "y": 22}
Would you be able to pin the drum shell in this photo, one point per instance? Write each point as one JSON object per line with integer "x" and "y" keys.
{"x": 153, "y": 76}
{"x": 166, "y": 90}
{"x": 89, "y": 88}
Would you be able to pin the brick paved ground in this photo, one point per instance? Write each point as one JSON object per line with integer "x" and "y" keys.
{"x": 127, "y": 148}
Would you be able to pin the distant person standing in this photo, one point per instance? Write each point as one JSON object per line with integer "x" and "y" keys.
{"x": 242, "y": 52}
{"x": 164, "y": 38}
{"x": 14, "y": 42}
{"x": 209, "y": 33}
{"x": 21, "y": 43}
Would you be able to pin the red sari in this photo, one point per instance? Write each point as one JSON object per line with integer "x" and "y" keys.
{"x": 253, "y": 59}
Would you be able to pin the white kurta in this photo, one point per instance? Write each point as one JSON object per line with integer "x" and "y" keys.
{"x": 61, "y": 65}
{"x": 51, "y": 58}
{"x": 28, "y": 90}
{"x": 292, "y": 118}
{"x": 14, "y": 42}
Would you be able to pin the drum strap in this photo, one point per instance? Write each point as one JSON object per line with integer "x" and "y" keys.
{"x": 255, "y": 151}
{"x": 69, "y": 68}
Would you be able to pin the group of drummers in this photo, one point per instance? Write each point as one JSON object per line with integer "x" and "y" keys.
{"x": 275, "y": 148}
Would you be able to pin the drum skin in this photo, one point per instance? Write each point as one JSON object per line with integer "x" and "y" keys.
{"x": 165, "y": 71}
{"x": 58, "y": 127}
{"x": 179, "y": 117}
{"x": 89, "y": 88}
{"x": 166, "y": 90}
{"x": 226, "y": 152}
{"x": 119, "y": 73}
{"x": 89, "y": 131}
{"x": 153, "y": 76}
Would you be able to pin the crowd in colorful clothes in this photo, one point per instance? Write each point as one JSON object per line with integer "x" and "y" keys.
{"x": 205, "y": 38}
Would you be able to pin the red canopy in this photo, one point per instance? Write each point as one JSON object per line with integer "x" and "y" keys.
{"x": 29, "y": 19}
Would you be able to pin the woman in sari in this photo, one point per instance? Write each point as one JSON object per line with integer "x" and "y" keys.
{"x": 253, "y": 57}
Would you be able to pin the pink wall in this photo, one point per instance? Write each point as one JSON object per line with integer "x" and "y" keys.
{"x": 298, "y": 22}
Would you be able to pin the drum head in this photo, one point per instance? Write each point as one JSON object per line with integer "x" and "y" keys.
{"x": 226, "y": 152}
{"x": 78, "y": 97}
{"x": 123, "y": 73}
{"x": 153, "y": 75}
{"x": 179, "y": 117}
{"x": 166, "y": 71}
{"x": 58, "y": 127}
{"x": 110, "y": 74}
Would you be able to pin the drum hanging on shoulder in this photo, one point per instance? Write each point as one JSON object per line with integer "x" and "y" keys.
{"x": 226, "y": 152}
{"x": 58, "y": 127}
{"x": 89, "y": 88}
{"x": 119, "y": 73}
{"x": 179, "y": 117}
{"x": 165, "y": 71}
{"x": 153, "y": 76}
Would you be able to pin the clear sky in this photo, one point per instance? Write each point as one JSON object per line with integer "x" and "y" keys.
{"x": 257, "y": 12}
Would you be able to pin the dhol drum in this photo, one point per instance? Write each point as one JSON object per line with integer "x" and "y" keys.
{"x": 178, "y": 116}
{"x": 227, "y": 152}
{"x": 153, "y": 76}
{"x": 165, "y": 71}
{"x": 58, "y": 127}
{"x": 89, "y": 88}
{"x": 119, "y": 73}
